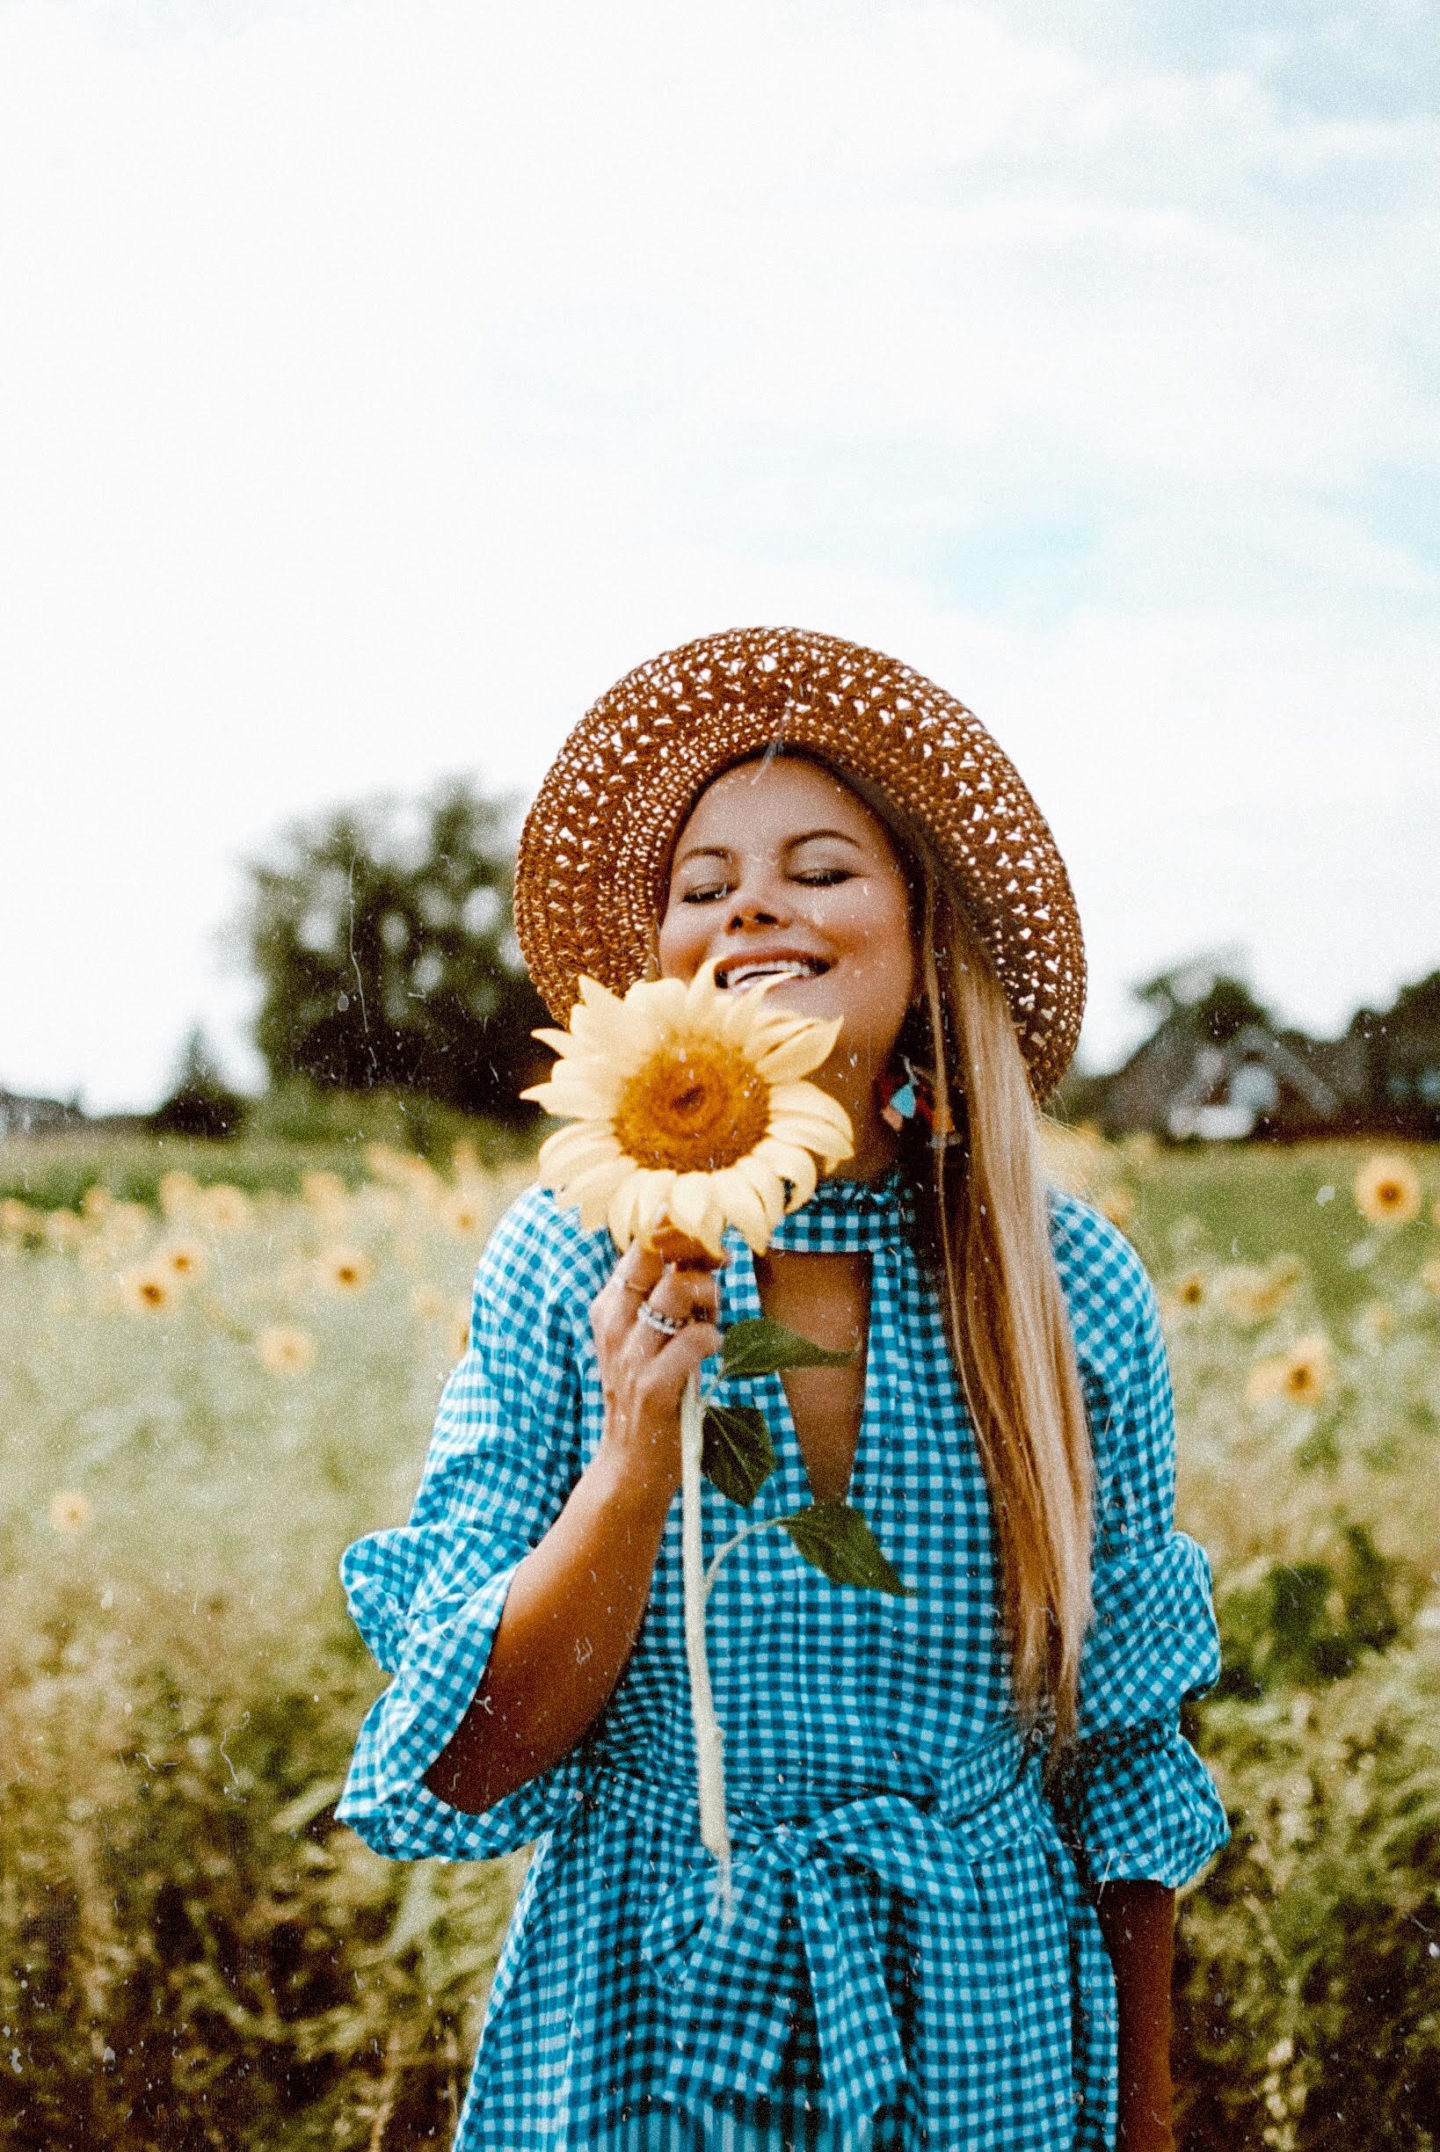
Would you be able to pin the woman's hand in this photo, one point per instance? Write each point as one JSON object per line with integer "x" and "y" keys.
{"x": 642, "y": 1369}
{"x": 577, "y": 1600}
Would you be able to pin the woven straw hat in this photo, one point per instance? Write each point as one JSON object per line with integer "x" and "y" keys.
{"x": 595, "y": 850}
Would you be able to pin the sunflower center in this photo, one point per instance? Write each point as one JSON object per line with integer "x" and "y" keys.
{"x": 696, "y": 1106}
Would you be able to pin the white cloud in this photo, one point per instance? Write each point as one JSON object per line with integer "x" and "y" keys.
{"x": 381, "y": 381}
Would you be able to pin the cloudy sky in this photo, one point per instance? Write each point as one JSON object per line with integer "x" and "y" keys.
{"x": 381, "y": 378}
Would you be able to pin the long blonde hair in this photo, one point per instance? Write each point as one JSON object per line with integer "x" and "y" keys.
{"x": 983, "y": 1205}
{"x": 984, "y": 1224}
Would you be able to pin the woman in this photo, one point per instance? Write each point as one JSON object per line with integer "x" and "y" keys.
{"x": 960, "y": 1816}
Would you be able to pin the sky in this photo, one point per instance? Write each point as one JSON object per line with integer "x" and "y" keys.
{"x": 381, "y": 379}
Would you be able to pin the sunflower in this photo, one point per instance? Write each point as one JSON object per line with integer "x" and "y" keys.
{"x": 687, "y": 1110}
{"x": 1387, "y": 1190}
{"x": 150, "y": 1290}
{"x": 325, "y": 1194}
{"x": 1300, "y": 1376}
{"x": 285, "y": 1350}
{"x": 1254, "y": 1296}
{"x": 225, "y": 1209}
{"x": 184, "y": 1259}
{"x": 1189, "y": 1291}
{"x": 69, "y": 1510}
{"x": 462, "y": 1211}
{"x": 344, "y": 1270}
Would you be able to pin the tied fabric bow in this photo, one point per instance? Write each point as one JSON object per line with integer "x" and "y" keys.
{"x": 735, "y": 1980}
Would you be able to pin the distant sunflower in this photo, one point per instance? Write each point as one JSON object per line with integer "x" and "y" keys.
{"x": 69, "y": 1510}
{"x": 1255, "y": 1296}
{"x": 462, "y": 1210}
{"x": 149, "y": 1290}
{"x": 344, "y": 1270}
{"x": 225, "y": 1209}
{"x": 1387, "y": 1190}
{"x": 284, "y": 1350}
{"x": 1300, "y": 1376}
{"x": 325, "y": 1194}
{"x": 1190, "y": 1291}
{"x": 184, "y": 1259}
{"x": 1430, "y": 1276}
{"x": 687, "y": 1110}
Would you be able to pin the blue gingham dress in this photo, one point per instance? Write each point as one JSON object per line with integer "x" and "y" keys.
{"x": 912, "y": 1958}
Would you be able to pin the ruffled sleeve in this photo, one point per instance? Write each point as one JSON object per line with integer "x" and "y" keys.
{"x": 427, "y": 1598}
{"x": 1134, "y": 1799}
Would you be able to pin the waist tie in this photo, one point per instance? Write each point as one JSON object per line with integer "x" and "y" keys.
{"x": 732, "y": 1983}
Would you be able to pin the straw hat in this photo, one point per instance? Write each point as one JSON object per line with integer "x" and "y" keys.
{"x": 595, "y": 851}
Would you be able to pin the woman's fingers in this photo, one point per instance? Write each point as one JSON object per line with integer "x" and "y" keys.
{"x": 684, "y": 1296}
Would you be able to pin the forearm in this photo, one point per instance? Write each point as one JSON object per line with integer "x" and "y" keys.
{"x": 570, "y": 1620}
{"x": 1138, "y": 1923}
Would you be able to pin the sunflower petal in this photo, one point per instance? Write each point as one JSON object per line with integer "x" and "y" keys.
{"x": 570, "y": 1150}
{"x": 694, "y": 1208}
{"x": 740, "y": 1201}
{"x": 797, "y": 1055}
{"x": 794, "y": 1165}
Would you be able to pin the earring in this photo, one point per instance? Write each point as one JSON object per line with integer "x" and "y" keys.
{"x": 906, "y": 1094}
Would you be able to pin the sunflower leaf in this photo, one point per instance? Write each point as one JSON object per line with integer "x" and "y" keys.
{"x": 836, "y": 1540}
{"x": 738, "y": 1455}
{"x": 760, "y": 1347}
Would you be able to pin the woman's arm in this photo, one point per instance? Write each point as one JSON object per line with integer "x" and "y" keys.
{"x": 577, "y": 1600}
{"x": 1137, "y": 1921}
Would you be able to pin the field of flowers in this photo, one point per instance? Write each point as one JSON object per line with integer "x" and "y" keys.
{"x": 204, "y": 1396}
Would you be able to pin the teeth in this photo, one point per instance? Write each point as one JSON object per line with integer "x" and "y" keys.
{"x": 742, "y": 975}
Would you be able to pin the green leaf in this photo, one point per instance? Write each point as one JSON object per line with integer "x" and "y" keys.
{"x": 763, "y": 1348}
{"x": 835, "y": 1539}
{"x": 738, "y": 1455}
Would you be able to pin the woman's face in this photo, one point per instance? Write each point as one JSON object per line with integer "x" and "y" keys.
{"x": 781, "y": 871}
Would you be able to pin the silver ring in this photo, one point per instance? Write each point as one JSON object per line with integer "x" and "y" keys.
{"x": 667, "y": 1325}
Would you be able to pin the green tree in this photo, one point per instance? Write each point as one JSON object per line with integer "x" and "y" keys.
{"x": 1215, "y": 1003}
{"x": 200, "y": 1103}
{"x": 382, "y": 937}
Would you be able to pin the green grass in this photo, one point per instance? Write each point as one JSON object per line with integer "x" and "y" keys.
{"x": 195, "y": 1955}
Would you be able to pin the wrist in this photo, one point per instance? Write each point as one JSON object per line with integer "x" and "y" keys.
{"x": 633, "y": 1475}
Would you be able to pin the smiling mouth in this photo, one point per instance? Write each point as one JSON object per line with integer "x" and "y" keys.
{"x": 744, "y": 972}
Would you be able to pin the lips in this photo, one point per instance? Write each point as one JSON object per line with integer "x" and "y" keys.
{"x": 747, "y": 971}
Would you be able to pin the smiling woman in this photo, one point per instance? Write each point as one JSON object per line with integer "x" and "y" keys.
{"x": 781, "y": 873}
{"x": 960, "y": 1801}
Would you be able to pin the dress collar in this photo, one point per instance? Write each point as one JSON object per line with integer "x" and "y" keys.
{"x": 849, "y": 1218}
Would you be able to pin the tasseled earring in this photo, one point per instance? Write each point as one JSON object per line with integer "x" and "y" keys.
{"x": 906, "y": 1094}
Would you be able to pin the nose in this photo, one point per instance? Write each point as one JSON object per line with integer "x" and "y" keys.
{"x": 756, "y": 903}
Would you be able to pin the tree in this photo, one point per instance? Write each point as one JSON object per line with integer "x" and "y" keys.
{"x": 383, "y": 939}
{"x": 201, "y": 1103}
{"x": 1216, "y": 1004}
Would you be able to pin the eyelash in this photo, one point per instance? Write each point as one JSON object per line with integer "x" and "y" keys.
{"x": 817, "y": 878}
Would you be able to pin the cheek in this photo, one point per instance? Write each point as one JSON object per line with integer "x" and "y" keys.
{"x": 680, "y": 942}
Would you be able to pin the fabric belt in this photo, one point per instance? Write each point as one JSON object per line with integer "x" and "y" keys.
{"x": 733, "y": 1984}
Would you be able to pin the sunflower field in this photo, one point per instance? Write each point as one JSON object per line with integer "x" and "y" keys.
{"x": 209, "y": 1385}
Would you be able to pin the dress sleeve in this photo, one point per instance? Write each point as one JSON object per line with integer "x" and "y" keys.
{"x": 1134, "y": 1799}
{"x": 427, "y": 1598}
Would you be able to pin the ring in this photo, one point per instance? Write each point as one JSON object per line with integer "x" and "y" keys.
{"x": 667, "y": 1325}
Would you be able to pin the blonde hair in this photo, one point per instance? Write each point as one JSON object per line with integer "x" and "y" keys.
{"x": 985, "y": 1225}
{"x": 1004, "y": 1311}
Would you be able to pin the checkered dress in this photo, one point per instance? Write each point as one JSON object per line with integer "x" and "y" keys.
{"x": 913, "y": 1958}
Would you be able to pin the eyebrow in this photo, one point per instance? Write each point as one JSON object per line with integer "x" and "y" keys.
{"x": 792, "y": 844}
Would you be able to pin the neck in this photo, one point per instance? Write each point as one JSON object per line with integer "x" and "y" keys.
{"x": 876, "y": 1144}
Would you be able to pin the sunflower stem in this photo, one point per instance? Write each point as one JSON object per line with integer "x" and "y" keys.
{"x": 709, "y": 1762}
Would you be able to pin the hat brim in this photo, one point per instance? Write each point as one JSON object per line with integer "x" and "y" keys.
{"x": 595, "y": 850}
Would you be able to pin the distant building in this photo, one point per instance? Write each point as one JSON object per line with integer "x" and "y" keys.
{"x": 1220, "y": 1070}
{"x": 24, "y": 1116}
